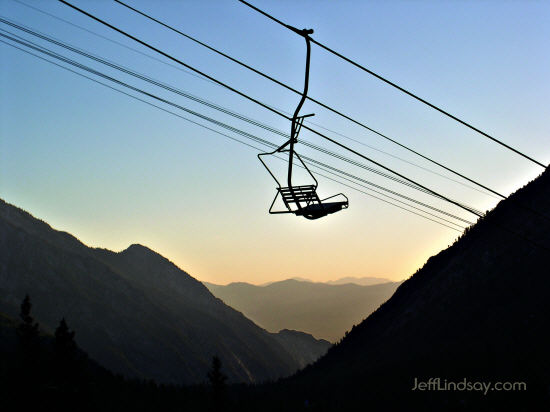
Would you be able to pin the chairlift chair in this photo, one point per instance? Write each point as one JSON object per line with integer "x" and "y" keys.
{"x": 301, "y": 200}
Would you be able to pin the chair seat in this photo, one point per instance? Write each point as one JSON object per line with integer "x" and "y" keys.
{"x": 307, "y": 201}
{"x": 317, "y": 210}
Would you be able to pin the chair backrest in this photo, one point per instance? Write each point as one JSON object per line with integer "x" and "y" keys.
{"x": 299, "y": 194}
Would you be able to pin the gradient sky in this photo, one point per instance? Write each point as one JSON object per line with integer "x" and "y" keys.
{"x": 114, "y": 171}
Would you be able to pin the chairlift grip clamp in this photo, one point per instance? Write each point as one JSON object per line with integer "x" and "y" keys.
{"x": 303, "y": 32}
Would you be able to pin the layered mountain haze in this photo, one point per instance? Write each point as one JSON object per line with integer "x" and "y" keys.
{"x": 325, "y": 311}
{"x": 363, "y": 281}
{"x": 135, "y": 312}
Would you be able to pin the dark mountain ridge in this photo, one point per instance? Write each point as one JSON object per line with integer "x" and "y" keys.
{"x": 135, "y": 312}
{"x": 479, "y": 310}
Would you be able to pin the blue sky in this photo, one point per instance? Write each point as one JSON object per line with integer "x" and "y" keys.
{"x": 114, "y": 171}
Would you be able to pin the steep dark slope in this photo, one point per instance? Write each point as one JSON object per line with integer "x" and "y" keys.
{"x": 70, "y": 381}
{"x": 303, "y": 347}
{"x": 36, "y": 385}
{"x": 135, "y": 312}
{"x": 325, "y": 311}
{"x": 479, "y": 310}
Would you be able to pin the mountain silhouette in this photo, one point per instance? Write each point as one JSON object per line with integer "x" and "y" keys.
{"x": 135, "y": 312}
{"x": 477, "y": 311}
{"x": 325, "y": 311}
{"x": 303, "y": 347}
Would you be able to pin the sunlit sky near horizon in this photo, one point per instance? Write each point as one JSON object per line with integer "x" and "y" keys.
{"x": 114, "y": 171}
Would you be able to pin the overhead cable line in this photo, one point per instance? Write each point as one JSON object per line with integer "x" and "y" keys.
{"x": 375, "y": 191}
{"x": 311, "y": 160}
{"x": 217, "y": 107}
{"x": 221, "y": 124}
{"x": 337, "y": 112}
{"x": 202, "y": 78}
{"x": 269, "y": 143}
{"x": 325, "y": 106}
{"x": 414, "y": 96}
{"x": 254, "y": 147}
{"x": 110, "y": 40}
{"x": 234, "y": 114}
{"x": 201, "y": 101}
{"x": 20, "y": 27}
{"x": 269, "y": 108}
{"x": 404, "y": 160}
{"x": 505, "y": 229}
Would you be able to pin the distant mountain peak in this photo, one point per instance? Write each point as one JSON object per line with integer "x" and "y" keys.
{"x": 297, "y": 333}
{"x": 144, "y": 254}
{"x": 364, "y": 281}
{"x": 138, "y": 248}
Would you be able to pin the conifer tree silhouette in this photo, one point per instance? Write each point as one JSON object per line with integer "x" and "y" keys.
{"x": 217, "y": 381}
{"x": 27, "y": 332}
{"x": 27, "y": 374}
{"x": 64, "y": 352}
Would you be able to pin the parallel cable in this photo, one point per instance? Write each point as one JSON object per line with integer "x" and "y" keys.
{"x": 404, "y": 160}
{"x": 217, "y": 107}
{"x": 414, "y": 96}
{"x": 267, "y": 107}
{"x": 252, "y": 146}
{"x": 329, "y": 108}
{"x": 505, "y": 229}
{"x": 137, "y": 75}
{"x": 202, "y": 78}
{"x": 201, "y": 101}
{"x": 316, "y": 162}
{"x": 269, "y": 143}
{"x": 109, "y": 40}
{"x": 218, "y": 123}
{"x": 325, "y": 106}
{"x": 222, "y": 109}
{"x": 382, "y": 194}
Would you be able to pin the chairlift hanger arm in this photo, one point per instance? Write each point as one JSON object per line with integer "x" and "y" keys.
{"x": 301, "y": 200}
{"x": 296, "y": 124}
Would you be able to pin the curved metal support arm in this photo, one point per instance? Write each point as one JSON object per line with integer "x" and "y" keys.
{"x": 296, "y": 123}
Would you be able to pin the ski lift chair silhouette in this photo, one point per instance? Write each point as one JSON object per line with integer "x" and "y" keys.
{"x": 301, "y": 200}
